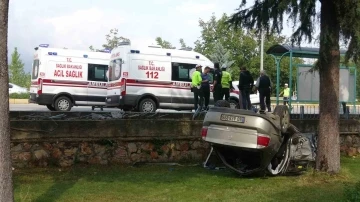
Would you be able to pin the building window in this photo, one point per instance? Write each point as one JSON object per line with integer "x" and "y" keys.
{"x": 97, "y": 72}
{"x": 182, "y": 71}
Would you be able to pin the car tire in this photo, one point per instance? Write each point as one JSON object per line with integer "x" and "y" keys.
{"x": 222, "y": 103}
{"x": 283, "y": 165}
{"x": 147, "y": 105}
{"x": 63, "y": 104}
{"x": 51, "y": 108}
{"x": 283, "y": 112}
{"x": 234, "y": 104}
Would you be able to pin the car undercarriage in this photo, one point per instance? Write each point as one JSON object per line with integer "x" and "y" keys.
{"x": 249, "y": 142}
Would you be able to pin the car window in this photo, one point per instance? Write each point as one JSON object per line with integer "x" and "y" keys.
{"x": 10, "y": 86}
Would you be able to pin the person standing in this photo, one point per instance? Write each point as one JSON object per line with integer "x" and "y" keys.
{"x": 286, "y": 94}
{"x": 246, "y": 83}
{"x": 226, "y": 84}
{"x": 217, "y": 82}
{"x": 344, "y": 96}
{"x": 205, "y": 86}
{"x": 196, "y": 81}
{"x": 264, "y": 84}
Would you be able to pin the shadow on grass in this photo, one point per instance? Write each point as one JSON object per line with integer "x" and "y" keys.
{"x": 63, "y": 181}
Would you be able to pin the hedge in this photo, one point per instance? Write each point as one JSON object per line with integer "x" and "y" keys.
{"x": 19, "y": 96}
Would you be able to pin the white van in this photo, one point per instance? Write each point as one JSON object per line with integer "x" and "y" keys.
{"x": 150, "y": 78}
{"x": 63, "y": 78}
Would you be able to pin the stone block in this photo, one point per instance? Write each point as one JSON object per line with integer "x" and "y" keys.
{"x": 132, "y": 148}
{"x": 40, "y": 154}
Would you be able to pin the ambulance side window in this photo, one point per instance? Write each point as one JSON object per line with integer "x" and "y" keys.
{"x": 97, "y": 72}
{"x": 181, "y": 71}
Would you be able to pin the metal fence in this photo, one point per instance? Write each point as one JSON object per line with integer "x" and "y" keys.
{"x": 308, "y": 111}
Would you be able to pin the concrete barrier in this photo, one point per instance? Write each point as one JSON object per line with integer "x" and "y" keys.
{"x": 68, "y": 142}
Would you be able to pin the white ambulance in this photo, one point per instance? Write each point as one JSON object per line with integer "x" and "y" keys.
{"x": 149, "y": 78}
{"x": 63, "y": 78}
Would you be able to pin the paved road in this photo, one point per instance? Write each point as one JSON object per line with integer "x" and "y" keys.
{"x": 34, "y": 107}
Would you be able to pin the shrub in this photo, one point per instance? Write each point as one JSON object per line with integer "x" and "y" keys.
{"x": 352, "y": 193}
{"x": 19, "y": 96}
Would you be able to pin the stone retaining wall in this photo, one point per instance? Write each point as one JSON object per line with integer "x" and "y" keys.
{"x": 65, "y": 143}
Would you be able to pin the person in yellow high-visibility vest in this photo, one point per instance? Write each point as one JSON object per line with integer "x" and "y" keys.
{"x": 196, "y": 81}
{"x": 286, "y": 94}
{"x": 226, "y": 83}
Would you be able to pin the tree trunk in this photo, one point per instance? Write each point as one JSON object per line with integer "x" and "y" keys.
{"x": 6, "y": 184}
{"x": 328, "y": 155}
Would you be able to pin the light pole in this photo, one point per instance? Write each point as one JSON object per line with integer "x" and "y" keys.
{"x": 262, "y": 51}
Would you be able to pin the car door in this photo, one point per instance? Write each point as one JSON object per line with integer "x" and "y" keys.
{"x": 97, "y": 80}
{"x": 181, "y": 94}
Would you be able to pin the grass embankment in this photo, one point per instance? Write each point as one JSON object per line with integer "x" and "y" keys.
{"x": 166, "y": 183}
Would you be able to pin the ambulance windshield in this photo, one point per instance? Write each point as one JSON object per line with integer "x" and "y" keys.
{"x": 115, "y": 70}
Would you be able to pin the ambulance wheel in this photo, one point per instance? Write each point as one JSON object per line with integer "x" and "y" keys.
{"x": 50, "y": 107}
{"x": 147, "y": 105}
{"x": 63, "y": 104}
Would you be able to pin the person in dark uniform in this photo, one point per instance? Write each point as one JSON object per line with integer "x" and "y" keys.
{"x": 205, "y": 87}
{"x": 217, "y": 92}
{"x": 246, "y": 83}
{"x": 264, "y": 84}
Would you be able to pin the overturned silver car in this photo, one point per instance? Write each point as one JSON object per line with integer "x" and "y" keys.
{"x": 251, "y": 142}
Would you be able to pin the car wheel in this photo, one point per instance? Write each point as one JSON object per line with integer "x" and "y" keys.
{"x": 282, "y": 159}
{"x": 147, "y": 105}
{"x": 222, "y": 103}
{"x": 51, "y": 108}
{"x": 283, "y": 112}
{"x": 63, "y": 104}
{"x": 234, "y": 104}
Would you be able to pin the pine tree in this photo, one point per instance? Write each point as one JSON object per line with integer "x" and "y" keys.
{"x": 17, "y": 73}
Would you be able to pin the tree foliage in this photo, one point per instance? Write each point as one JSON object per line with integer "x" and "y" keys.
{"x": 268, "y": 15}
{"x": 222, "y": 56}
{"x": 113, "y": 40}
{"x": 183, "y": 45}
{"x": 242, "y": 47}
{"x": 164, "y": 43}
{"x": 17, "y": 74}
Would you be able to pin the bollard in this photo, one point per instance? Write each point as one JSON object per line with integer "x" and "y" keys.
{"x": 302, "y": 112}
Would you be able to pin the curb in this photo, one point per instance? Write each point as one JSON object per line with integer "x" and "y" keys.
{"x": 18, "y": 101}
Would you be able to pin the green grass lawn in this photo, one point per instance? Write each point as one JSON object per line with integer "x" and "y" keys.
{"x": 175, "y": 183}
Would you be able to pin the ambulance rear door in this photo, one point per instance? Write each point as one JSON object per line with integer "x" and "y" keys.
{"x": 150, "y": 74}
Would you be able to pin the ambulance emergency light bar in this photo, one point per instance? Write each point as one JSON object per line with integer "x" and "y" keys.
{"x": 104, "y": 50}
{"x": 55, "y": 53}
{"x": 44, "y": 45}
